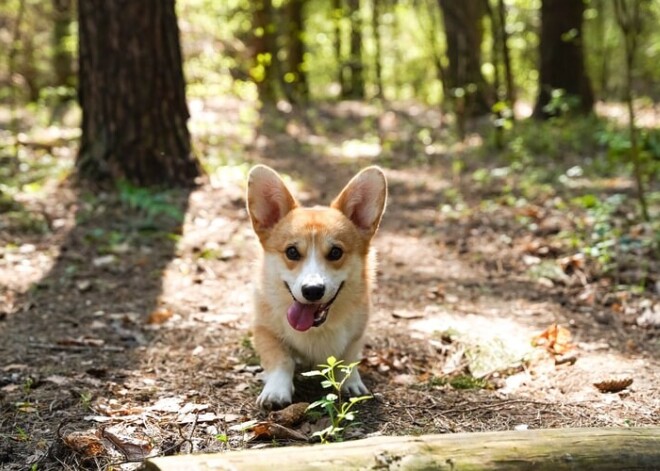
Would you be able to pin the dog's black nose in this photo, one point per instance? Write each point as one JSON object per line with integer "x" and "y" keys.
{"x": 313, "y": 292}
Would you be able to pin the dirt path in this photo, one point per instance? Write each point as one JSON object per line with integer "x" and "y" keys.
{"x": 115, "y": 327}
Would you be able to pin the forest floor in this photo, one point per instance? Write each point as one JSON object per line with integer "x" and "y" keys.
{"x": 125, "y": 329}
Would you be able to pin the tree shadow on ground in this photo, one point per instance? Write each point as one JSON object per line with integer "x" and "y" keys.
{"x": 79, "y": 331}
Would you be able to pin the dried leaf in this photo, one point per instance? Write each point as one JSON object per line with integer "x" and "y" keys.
{"x": 229, "y": 417}
{"x": 613, "y": 385}
{"x": 196, "y": 418}
{"x": 159, "y": 316}
{"x": 399, "y": 314}
{"x": 167, "y": 404}
{"x": 81, "y": 342}
{"x": 133, "y": 448}
{"x": 83, "y": 285}
{"x": 572, "y": 263}
{"x": 87, "y": 444}
{"x": 57, "y": 380}
{"x": 289, "y": 416}
{"x": 272, "y": 431}
{"x": 556, "y": 340}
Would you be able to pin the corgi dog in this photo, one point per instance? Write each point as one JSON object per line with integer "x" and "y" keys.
{"x": 313, "y": 297}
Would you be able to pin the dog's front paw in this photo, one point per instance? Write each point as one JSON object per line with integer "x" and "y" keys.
{"x": 353, "y": 386}
{"x": 277, "y": 392}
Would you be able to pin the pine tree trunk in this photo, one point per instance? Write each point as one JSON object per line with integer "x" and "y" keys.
{"x": 355, "y": 65}
{"x": 264, "y": 51}
{"x": 298, "y": 87}
{"x": 378, "y": 65}
{"x": 562, "y": 56}
{"x": 337, "y": 16}
{"x": 506, "y": 55}
{"x": 464, "y": 34}
{"x": 62, "y": 58}
{"x": 132, "y": 94}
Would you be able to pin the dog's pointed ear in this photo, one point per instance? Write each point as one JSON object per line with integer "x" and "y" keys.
{"x": 268, "y": 199}
{"x": 363, "y": 199}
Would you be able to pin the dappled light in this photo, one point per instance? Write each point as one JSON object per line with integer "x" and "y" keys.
{"x": 516, "y": 270}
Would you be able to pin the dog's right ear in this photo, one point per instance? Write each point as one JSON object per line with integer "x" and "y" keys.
{"x": 268, "y": 199}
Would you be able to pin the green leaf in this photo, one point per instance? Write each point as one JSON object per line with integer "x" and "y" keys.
{"x": 355, "y": 400}
{"x": 320, "y": 402}
{"x": 312, "y": 373}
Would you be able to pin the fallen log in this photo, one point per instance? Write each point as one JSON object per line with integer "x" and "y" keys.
{"x": 582, "y": 449}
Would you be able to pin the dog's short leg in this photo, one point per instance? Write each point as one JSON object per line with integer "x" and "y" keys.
{"x": 353, "y": 386}
{"x": 278, "y": 367}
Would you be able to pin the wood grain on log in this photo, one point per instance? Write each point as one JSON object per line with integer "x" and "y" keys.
{"x": 582, "y": 449}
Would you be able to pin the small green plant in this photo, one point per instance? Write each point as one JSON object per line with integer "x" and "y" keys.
{"x": 86, "y": 400}
{"x": 152, "y": 204}
{"x": 340, "y": 412}
{"x": 21, "y": 434}
{"x": 27, "y": 385}
{"x": 222, "y": 437}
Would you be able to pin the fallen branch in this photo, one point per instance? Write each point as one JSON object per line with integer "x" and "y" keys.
{"x": 585, "y": 449}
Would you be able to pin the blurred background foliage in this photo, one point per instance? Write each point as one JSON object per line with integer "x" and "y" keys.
{"x": 218, "y": 39}
{"x": 429, "y": 79}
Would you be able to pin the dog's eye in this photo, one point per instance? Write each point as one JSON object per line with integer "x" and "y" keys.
{"x": 335, "y": 253}
{"x": 292, "y": 253}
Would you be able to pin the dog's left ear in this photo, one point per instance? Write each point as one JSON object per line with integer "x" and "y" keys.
{"x": 363, "y": 199}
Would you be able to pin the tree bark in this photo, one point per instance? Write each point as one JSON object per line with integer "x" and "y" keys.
{"x": 337, "y": 15}
{"x": 62, "y": 57}
{"x": 506, "y": 55}
{"x": 562, "y": 56}
{"x": 264, "y": 51}
{"x": 298, "y": 89}
{"x": 378, "y": 65}
{"x": 132, "y": 94}
{"x": 355, "y": 65}
{"x": 464, "y": 35}
{"x": 629, "y": 18}
{"x": 585, "y": 449}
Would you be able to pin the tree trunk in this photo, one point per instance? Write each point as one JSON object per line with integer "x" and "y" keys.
{"x": 629, "y": 18}
{"x": 378, "y": 65}
{"x": 62, "y": 58}
{"x": 337, "y": 16}
{"x": 132, "y": 94}
{"x": 264, "y": 51}
{"x": 432, "y": 29}
{"x": 464, "y": 35}
{"x": 496, "y": 50}
{"x": 506, "y": 56}
{"x": 562, "y": 57}
{"x": 298, "y": 89}
{"x": 356, "y": 89}
{"x": 585, "y": 449}
{"x": 603, "y": 50}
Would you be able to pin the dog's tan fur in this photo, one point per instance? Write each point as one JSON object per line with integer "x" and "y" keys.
{"x": 279, "y": 221}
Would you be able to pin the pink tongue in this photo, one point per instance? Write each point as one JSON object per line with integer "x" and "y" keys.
{"x": 301, "y": 316}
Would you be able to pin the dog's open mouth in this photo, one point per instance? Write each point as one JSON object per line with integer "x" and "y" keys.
{"x": 305, "y": 316}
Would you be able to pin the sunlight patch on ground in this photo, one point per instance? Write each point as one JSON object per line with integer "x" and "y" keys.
{"x": 492, "y": 344}
{"x": 21, "y": 267}
{"x": 645, "y": 116}
{"x": 224, "y": 175}
{"x": 355, "y": 149}
{"x": 397, "y": 255}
